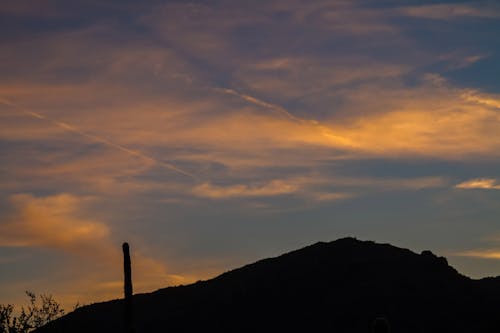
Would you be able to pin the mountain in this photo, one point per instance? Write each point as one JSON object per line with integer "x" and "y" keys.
{"x": 340, "y": 286}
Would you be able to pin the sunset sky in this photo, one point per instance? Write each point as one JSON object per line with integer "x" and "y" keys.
{"x": 213, "y": 133}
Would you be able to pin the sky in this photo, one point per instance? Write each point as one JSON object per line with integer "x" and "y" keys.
{"x": 210, "y": 134}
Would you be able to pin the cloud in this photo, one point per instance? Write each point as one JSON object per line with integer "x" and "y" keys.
{"x": 434, "y": 119}
{"x": 450, "y": 11}
{"x": 52, "y": 222}
{"x": 332, "y": 120}
{"x": 474, "y": 96}
{"x": 461, "y": 59}
{"x": 481, "y": 254}
{"x": 316, "y": 187}
{"x": 272, "y": 188}
{"x": 26, "y": 8}
{"x": 106, "y": 142}
{"x": 331, "y": 196}
{"x": 480, "y": 183}
{"x": 385, "y": 184}
{"x": 350, "y": 19}
{"x": 283, "y": 78}
{"x": 58, "y": 223}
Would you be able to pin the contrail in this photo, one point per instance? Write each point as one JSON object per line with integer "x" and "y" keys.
{"x": 259, "y": 102}
{"x": 324, "y": 130}
{"x": 96, "y": 138}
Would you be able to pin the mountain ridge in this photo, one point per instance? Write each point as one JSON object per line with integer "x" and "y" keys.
{"x": 338, "y": 286}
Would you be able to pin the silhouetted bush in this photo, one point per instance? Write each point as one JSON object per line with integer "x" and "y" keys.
{"x": 37, "y": 314}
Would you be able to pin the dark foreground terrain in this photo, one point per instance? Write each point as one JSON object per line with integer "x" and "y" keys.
{"x": 339, "y": 286}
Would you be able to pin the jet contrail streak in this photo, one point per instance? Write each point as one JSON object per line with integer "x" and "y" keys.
{"x": 259, "y": 102}
{"x": 99, "y": 139}
{"x": 324, "y": 130}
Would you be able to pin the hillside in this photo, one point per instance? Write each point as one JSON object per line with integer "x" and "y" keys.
{"x": 340, "y": 286}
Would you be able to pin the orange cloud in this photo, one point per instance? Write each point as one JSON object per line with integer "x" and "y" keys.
{"x": 51, "y": 222}
{"x": 482, "y": 254}
{"x": 474, "y": 96}
{"x": 434, "y": 120}
{"x": 245, "y": 133}
{"x": 480, "y": 183}
{"x": 331, "y": 196}
{"x": 272, "y": 188}
{"x": 316, "y": 187}
{"x": 58, "y": 222}
{"x": 446, "y": 122}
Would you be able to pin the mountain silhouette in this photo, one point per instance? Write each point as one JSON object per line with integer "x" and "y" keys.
{"x": 340, "y": 286}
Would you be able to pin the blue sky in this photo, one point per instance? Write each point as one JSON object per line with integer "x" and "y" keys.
{"x": 210, "y": 134}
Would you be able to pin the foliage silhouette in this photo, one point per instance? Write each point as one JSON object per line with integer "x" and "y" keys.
{"x": 39, "y": 312}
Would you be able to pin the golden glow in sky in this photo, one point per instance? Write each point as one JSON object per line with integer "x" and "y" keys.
{"x": 209, "y": 135}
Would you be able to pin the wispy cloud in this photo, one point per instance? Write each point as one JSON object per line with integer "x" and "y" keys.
{"x": 101, "y": 140}
{"x": 474, "y": 96}
{"x": 316, "y": 187}
{"x": 462, "y": 59}
{"x": 452, "y": 11}
{"x": 332, "y": 196}
{"x": 52, "y": 222}
{"x": 482, "y": 254}
{"x": 272, "y": 188}
{"x": 390, "y": 184}
{"x": 480, "y": 183}
{"x": 445, "y": 122}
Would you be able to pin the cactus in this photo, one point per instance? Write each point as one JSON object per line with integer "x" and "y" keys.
{"x": 128, "y": 310}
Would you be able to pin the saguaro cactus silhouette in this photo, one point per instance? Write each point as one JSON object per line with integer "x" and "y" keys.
{"x": 128, "y": 319}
